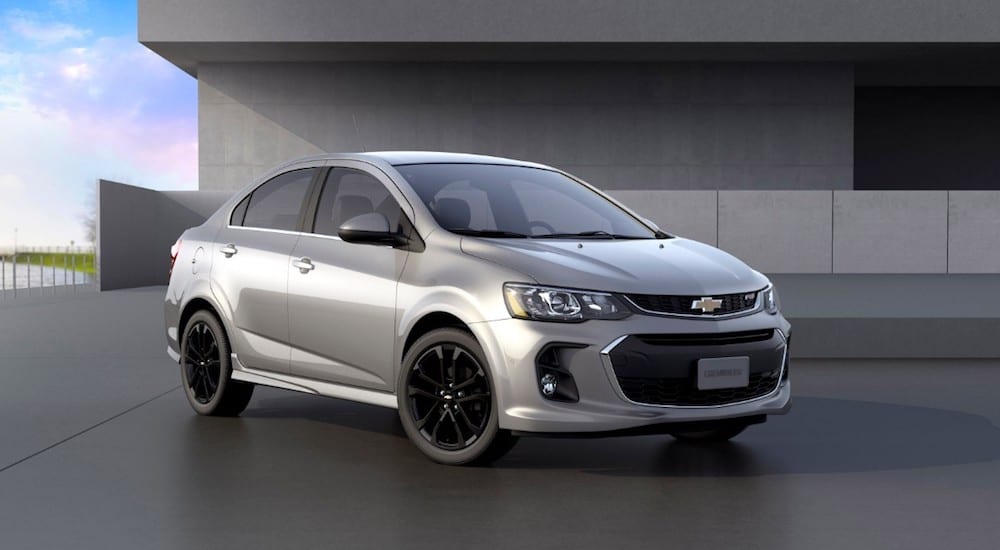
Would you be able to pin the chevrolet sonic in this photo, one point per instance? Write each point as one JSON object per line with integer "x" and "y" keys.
{"x": 482, "y": 297}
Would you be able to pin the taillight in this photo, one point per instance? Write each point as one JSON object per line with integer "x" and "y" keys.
{"x": 174, "y": 251}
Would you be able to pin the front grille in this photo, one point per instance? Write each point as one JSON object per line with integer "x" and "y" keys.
{"x": 683, "y": 392}
{"x": 682, "y": 305}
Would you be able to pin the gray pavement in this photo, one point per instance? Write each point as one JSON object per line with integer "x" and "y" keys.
{"x": 98, "y": 449}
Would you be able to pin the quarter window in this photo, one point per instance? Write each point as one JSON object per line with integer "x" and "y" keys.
{"x": 239, "y": 212}
{"x": 278, "y": 203}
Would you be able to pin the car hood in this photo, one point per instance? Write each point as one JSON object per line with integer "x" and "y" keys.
{"x": 648, "y": 266}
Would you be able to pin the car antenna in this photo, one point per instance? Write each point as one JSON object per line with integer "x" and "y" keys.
{"x": 358, "y": 131}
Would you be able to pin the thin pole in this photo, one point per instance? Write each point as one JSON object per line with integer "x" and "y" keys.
{"x": 3, "y": 275}
{"x": 15, "y": 274}
{"x": 74, "y": 273}
{"x": 28, "y": 267}
{"x": 53, "y": 275}
{"x": 65, "y": 273}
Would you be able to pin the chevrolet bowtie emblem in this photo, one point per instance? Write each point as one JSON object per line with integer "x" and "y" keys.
{"x": 706, "y": 304}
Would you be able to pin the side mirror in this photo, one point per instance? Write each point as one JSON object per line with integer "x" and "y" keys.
{"x": 370, "y": 228}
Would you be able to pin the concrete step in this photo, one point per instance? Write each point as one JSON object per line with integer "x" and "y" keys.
{"x": 892, "y": 315}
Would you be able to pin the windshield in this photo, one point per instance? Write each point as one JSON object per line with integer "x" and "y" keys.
{"x": 491, "y": 200}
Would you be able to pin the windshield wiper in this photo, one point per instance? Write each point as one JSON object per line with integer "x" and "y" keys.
{"x": 489, "y": 233}
{"x": 599, "y": 234}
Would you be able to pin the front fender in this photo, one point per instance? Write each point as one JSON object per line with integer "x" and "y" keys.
{"x": 462, "y": 306}
{"x": 415, "y": 304}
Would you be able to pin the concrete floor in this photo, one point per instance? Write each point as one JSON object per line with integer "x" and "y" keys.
{"x": 98, "y": 449}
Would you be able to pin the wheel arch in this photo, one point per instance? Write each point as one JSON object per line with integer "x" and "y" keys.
{"x": 429, "y": 322}
{"x": 193, "y": 306}
{"x": 449, "y": 314}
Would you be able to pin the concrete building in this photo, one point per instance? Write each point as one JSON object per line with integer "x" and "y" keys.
{"x": 819, "y": 137}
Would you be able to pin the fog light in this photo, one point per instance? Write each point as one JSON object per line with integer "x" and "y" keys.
{"x": 549, "y": 383}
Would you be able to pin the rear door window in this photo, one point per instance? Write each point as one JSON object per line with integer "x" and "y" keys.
{"x": 278, "y": 203}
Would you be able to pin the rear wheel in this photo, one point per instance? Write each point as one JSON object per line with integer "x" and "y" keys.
{"x": 716, "y": 435}
{"x": 447, "y": 400}
{"x": 206, "y": 369}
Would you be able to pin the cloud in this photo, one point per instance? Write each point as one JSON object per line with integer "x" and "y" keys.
{"x": 50, "y": 172}
{"x": 70, "y": 6}
{"x": 28, "y": 26}
{"x": 114, "y": 94}
{"x": 10, "y": 182}
{"x": 79, "y": 71}
{"x": 71, "y": 113}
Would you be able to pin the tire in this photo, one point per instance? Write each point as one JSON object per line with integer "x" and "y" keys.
{"x": 206, "y": 369}
{"x": 447, "y": 402}
{"x": 717, "y": 435}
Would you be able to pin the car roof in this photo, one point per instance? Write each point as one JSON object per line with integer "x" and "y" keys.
{"x": 428, "y": 157}
{"x": 399, "y": 158}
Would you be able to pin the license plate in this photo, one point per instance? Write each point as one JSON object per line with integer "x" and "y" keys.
{"x": 723, "y": 372}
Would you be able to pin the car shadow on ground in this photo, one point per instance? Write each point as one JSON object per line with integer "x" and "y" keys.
{"x": 278, "y": 404}
{"x": 819, "y": 435}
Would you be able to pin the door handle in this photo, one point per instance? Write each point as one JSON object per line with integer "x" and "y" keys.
{"x": 229, "y": 250}
{"x": 304, "y": 265}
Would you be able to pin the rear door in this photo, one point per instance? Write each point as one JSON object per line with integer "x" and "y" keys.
{"x": 250, "y": 272}
{"x": 342, "y": 310}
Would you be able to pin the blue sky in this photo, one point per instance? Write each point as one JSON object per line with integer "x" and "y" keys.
{"x": 81, "y": 99}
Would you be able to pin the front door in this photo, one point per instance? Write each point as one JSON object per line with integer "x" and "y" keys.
{"x": 342, "y": 296}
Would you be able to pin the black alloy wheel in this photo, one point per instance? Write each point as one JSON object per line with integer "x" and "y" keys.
{"x": 447, "y": 400}
{"x": 449, "y": 397}
{"x": 206, "y": 369}
{"x": 202, "y": 362}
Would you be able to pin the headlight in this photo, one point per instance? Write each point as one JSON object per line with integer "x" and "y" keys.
{"x": 771, "y": 300}
{"x": 559, "y": 304}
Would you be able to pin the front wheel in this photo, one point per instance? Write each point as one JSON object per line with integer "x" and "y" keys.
{"x": 447, "y": 400}
{"x": 206, "y": 369}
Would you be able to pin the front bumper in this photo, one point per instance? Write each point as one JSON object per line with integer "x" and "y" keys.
{"x": 587, "y": 352}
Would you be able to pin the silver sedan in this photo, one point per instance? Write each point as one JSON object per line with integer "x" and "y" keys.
{"x": 482, "y": 297}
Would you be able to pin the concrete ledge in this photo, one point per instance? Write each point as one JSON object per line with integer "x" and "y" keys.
{"x": 892, "y": 316}
{"x": 895, "y": 338}
{"x": 566, "y": 21}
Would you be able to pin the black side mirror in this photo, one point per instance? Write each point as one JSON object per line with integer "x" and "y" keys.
{"x": 370, "y": 228}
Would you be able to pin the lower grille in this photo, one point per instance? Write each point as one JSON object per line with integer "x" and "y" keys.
{"x": 683, "y": 392}
{"x": 707, "y": 339}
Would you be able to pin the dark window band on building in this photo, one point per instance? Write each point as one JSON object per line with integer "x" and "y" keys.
{"x": 912, "y": 138}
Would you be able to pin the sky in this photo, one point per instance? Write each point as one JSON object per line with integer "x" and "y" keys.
{"x": 81, "y": 99}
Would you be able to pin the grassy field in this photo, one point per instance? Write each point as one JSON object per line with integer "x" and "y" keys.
{"x": 84, "y": 261}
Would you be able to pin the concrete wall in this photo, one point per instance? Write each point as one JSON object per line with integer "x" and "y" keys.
{"x": 836, "y": 231}
{"x": 618, "y": 125}
{"x": 136, "y": 227}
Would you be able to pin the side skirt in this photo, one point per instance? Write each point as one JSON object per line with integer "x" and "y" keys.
{"x": 315, "y": 387}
